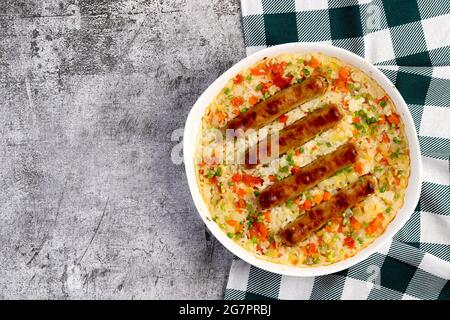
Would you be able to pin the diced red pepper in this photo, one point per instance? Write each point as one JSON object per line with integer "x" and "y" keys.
{"x": 238, "y": 79}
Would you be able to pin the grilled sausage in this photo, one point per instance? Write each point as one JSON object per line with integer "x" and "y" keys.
{"x": 296, "y": 134}
{"x": 309, "y": 175}
{"x": 318, "y": 216}
{"x": 280, "y": 103}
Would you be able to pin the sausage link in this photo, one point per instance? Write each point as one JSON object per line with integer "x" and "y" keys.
{"x": 296, "y": 134}
{"x": 317, "y": 217}
{"x": 309, "y": 175}
{"x": 280, "y": 103}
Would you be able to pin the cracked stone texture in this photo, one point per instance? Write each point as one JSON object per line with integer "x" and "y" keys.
{"x": 90, "y": 91}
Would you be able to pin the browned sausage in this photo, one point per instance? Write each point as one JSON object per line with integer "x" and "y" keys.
{"x": 316, "y": 218}
{"x": 296, "y": 134}
{"x": 309, "y": 175}
{"x": 280, "y": 103}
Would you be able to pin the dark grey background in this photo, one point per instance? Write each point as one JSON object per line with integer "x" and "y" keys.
{"x": 90, "y": 92}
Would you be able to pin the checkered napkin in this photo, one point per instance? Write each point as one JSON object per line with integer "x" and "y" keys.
{"x": 409, "y": 40}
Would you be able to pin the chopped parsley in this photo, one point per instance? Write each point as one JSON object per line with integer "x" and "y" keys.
{"x": 382, "y": 189}
{"x": 284, "y": 169}
{"x": 289, "y": 159}
{"x": 289, "y": 203}
{"x": 306, "y": 72}
{"x": 363, "y": 115}
{"x": 351, "y": 86}
{"x": 258, "y": 87}
{"x": 395, "y": 154}
{"x": 226, "y": 91}
{"x": 378, "y": 169}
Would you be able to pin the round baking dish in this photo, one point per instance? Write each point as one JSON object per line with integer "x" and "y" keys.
{"x": 193, "y": 125}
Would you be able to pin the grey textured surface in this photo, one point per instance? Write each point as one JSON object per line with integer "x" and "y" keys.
{"x": 90, "y": 92}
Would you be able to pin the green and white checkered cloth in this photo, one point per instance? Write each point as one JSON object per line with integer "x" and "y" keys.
{"x": 409, "y": 40}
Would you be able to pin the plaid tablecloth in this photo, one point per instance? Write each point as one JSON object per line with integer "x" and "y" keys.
{"x": 409, "y": 40}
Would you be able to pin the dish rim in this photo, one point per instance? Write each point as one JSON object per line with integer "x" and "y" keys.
{"x": 412, "y": 194}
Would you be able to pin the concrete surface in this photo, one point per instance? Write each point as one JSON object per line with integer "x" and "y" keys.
{"x": 90, "y": 93}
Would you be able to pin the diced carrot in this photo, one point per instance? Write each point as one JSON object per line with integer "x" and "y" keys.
{"x": 318, "y": 198}
{"x": 307, "y": 204}
{"x": 295, "y": 170}
{"x": 252, "y": 181}
{"x": 273, "y": 178}
{"x": 240, "y": 204}
{"x": 265, "y": 86}
{"x": 349, "y": 242}
{"x": 259, "y": 70}
{"x": 382, "y": 120}
{"x": 201, "y": 171}
{"x": 393, "y": 119}
{"x": 311, "y": 249}
{"x": 297, "y": 202}
{"x": 298, "y": 152}
{"x": 396, "y": 181}
{"x": 314, "y": 62}
{"x": 356, "y": 120}
{"x": 259, "y": 230}
{"x": 263, "y": 231}
{"x": 238, "y": 79}
{"x": 236, "y": 177}
{"x": 237, "y": 101}
{"x": 267, "y": 216}
{"x": 355, "y": 223}
{"x": 359, "y": 168}
{"x": 326, "y": 196}
{"x": 278, "y": 67}
{"x": 231, "y": 222}
{"x": 375, "y": 224}
{"x": 221, "y": 116}
{"x": 283, "y": 119}
{"x": 341, "y": 85}
{"x": 253, "y": 100}
{"x": 378, "y": 100}
{"x": 236, "y": 112}
{"x": 344, "y": 73}
{"x": 384, "y": 161}
{"x": 385, "y": 138}
{"x": 241, "y": 193}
